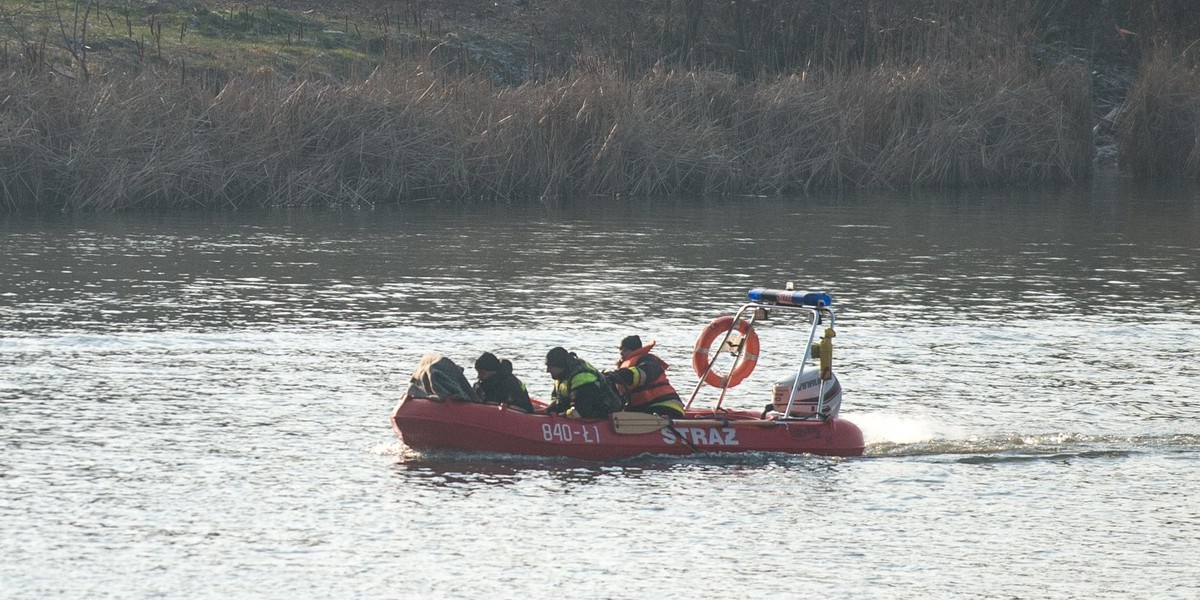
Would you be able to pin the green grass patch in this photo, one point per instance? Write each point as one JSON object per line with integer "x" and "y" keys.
{"x": 78, "y": 38}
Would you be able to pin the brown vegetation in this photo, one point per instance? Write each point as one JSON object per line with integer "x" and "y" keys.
{"x": 690, "y": 98}
{"x": 402, "y": 136}
{"x": 1158, "y": 127}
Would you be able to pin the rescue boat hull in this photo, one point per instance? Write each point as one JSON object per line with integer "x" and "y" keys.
{"x": 430, "y": 424}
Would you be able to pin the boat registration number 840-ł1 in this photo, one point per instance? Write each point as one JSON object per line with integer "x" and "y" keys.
{"x": 590, "y": 434}
{"x": 567, "y": 432}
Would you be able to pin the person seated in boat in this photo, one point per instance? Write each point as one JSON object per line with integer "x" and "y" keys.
{"x": 498, "y": 385}
{"x": 579, "y": 389}
{"x": 440, "y": 378}
{"x": 641, "y": 378}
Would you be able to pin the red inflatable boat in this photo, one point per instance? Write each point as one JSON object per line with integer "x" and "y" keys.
{"x": 801, "y": 419}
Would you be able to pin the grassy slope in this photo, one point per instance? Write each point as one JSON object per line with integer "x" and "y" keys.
{"x": 308, "y": 39}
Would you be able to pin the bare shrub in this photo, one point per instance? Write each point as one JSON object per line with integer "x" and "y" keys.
{"x": 1159, "y": 126}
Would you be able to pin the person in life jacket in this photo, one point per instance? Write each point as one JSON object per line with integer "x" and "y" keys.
{"x": 498, "y": 385}
{"x": 641, "y": 378}
{"x": 579, "y": 389}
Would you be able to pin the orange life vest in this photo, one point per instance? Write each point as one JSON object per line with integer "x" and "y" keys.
{"x": 648, "y": 392}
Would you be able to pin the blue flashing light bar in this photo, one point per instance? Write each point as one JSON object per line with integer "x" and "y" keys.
{"x": 790, "y": 298}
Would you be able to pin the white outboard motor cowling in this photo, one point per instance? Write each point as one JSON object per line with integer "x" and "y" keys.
{"x": 805, "y": 404}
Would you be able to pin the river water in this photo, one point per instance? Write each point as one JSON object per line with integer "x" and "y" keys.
{"x": 194, "y": 405}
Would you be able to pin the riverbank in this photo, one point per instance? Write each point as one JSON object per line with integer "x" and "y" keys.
{"x": 402, "y": 136}
{"x": 272, "y": 107}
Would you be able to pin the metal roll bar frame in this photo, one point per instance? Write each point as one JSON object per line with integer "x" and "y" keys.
{"x": 816, "y": 316}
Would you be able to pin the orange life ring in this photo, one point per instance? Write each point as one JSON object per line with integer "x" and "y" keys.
{"x": 742, "y": 369}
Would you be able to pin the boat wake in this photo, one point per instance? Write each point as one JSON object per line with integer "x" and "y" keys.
{"x": 895, "y": 435}
{"x": 881, "y": 428}
{"x": 1031, "y": 447}
{"x": 999, "y": 449}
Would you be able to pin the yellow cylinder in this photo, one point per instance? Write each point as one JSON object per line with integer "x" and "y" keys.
{"x": 827, "y": 354}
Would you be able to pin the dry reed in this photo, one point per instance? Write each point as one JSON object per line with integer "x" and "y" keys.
{"x": 719, "y": 98}
{"x": 400, "y": 136}
{"x": 1159, "y": 125}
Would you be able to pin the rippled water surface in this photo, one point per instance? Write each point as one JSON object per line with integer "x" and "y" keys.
{"x": 195, "y": 405}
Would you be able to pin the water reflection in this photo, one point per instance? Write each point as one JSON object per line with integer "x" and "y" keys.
{"x": 976, "y": 259}
{"x": 199, "y": 402}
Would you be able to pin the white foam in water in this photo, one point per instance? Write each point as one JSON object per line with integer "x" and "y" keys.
{"x": 897, "y": 429}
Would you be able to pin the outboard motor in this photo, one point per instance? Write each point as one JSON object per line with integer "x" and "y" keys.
{"x": 805, "y": 404}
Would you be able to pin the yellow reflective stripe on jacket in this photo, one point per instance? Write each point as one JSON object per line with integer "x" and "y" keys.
{"x": 638, "y": 376}
{"x": 675, "y": 405}
{"x": 562, "y": 389}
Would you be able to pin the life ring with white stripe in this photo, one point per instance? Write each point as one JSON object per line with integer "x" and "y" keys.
{"x": 741, "y": 369}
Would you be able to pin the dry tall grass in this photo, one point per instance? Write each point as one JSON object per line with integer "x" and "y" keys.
{"x": 1159, "y": 126}
{"x": 695, "y": 97}
{"x": 400, "y": 136}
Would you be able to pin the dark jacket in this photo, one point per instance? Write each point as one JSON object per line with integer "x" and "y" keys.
{"x": 584, "y": 389}
{"x": 504, "y": 388}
